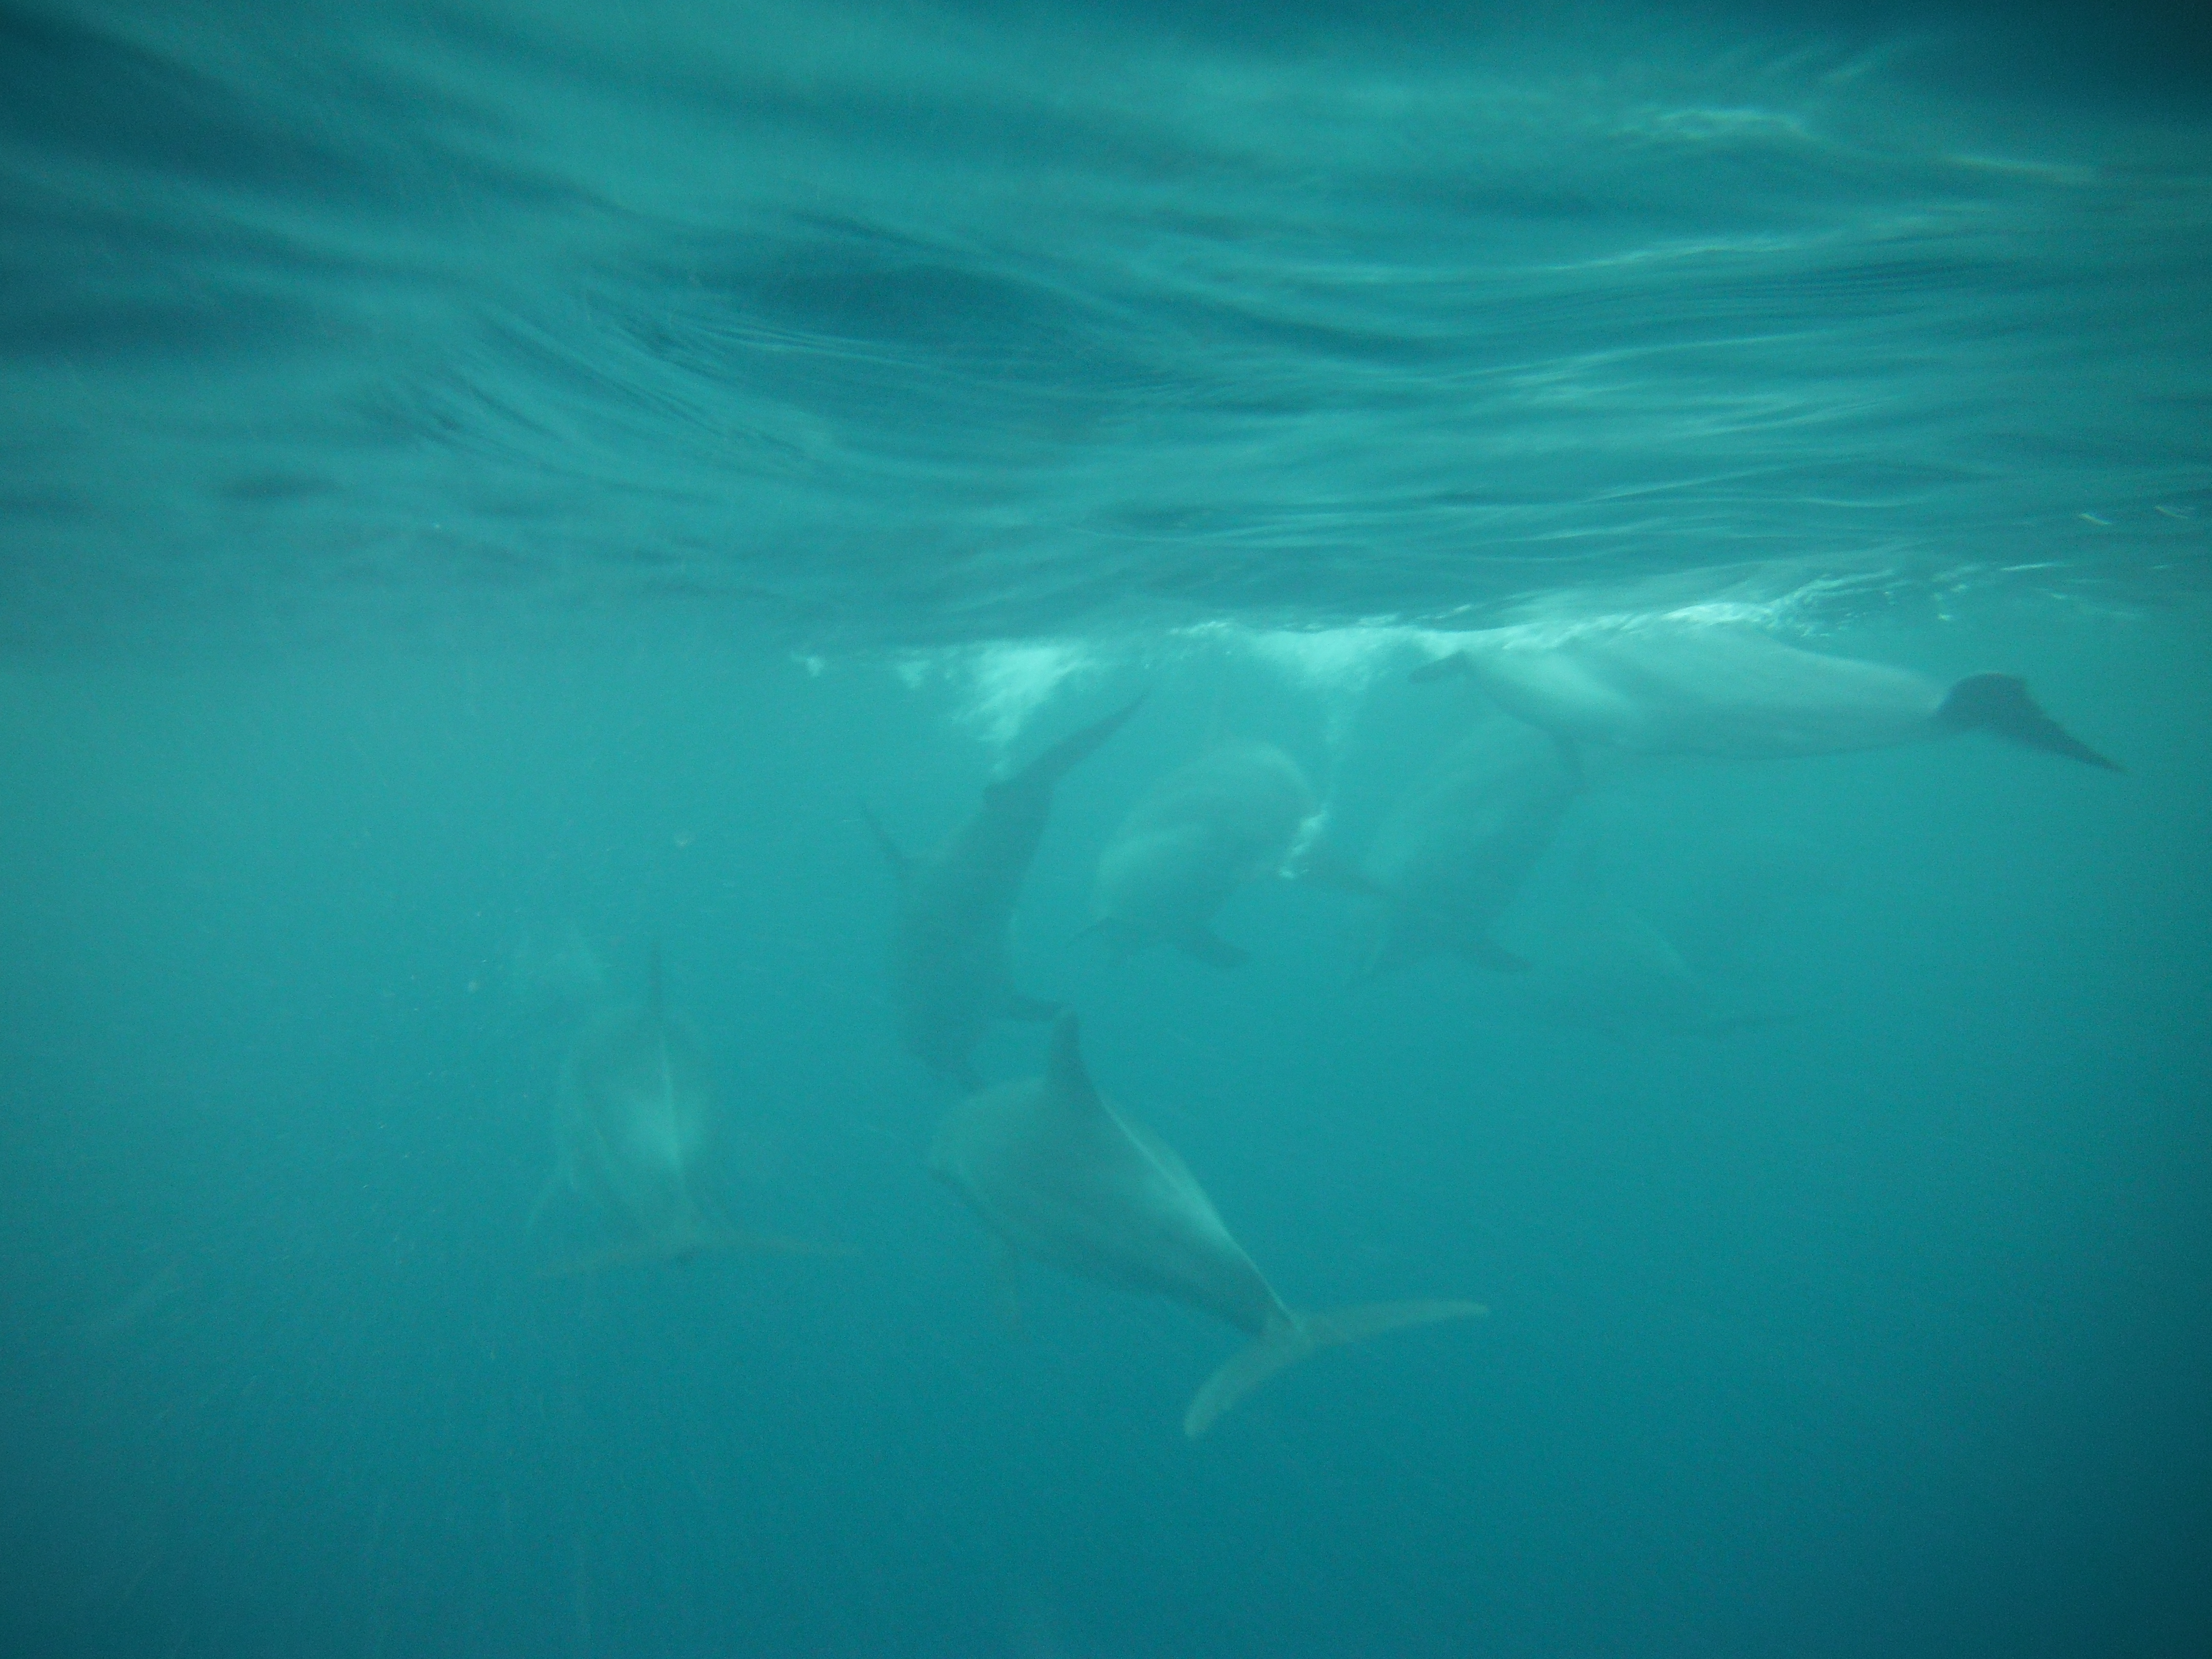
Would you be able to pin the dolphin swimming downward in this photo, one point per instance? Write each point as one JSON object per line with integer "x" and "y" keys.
{"x": 1670, "y": 686}
{"x": 950, "y": 975}
{"x": 1060, "y": 1176}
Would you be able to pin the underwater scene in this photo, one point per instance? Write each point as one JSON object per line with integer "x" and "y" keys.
{"x": 1076, "y": 830}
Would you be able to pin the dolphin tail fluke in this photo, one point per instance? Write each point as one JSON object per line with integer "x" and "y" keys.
{"x": 1057, "y": 762}
{"x": 2000, "y": 703}
{"x": 1290, "y": 1337}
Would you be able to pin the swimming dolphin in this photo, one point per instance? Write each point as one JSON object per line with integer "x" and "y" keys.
{"x": 1457, "y": 846}
{"x": 1668, "y": 686}
{"x": 636, "y": 1127}
{"x": 1062, "y": 1176}
{"x": 1599, "y": 963}
{"x": 1227, "y": 817}
{"x": 950, "y": 975}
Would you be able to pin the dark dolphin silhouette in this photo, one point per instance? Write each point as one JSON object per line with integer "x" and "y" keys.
{"x": 950, "y": 972}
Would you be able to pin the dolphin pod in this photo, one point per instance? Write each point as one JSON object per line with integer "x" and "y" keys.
{"x": 1663, "y": 686}
{"x": 950, "y": 972}
{"x": 1228, "y": 817}
{"x": 1062, "y": 1177}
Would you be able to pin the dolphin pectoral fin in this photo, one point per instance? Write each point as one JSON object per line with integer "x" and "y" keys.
{"x": 1290, "y": 1337}
{"x": 1449, "y": 667}
{"x": 1397, "y": 946}
{"x": 1209, "y": 946}
{"x": 2000, "y": 703}
{"x": 900, "y": 862}
{"x": 1035, "y": 1010}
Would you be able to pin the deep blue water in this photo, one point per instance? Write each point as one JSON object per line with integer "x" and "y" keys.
{"x": 493, "y": 490}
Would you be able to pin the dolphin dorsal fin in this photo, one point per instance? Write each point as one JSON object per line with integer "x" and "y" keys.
{"x": 1064, "y": 1071}
{"x": 653, "y": 1000}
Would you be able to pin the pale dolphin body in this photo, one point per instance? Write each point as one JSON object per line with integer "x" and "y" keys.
{"x": 1062, "y": 1176}
{"x": 1228, "y": 817}
{"x": 950, "y": 972}
{"x": 1669, "y": 686}
{"x": 1456, "y": 849}
{"x": 636, "y": 1129}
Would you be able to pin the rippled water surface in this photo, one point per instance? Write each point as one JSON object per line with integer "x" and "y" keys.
{"x": 907, "y": 324}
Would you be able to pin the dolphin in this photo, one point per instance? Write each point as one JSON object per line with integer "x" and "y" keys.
{"x": 1062, "y": 1176}
{"x": 950, "y": 975}
{"x": 1456, "y": 849}
{"x": 1228, "y": 817}
{"x": 1599, "y": 963}
{"x": 1671, "y": 686}
{"x": 636, "y": 1128}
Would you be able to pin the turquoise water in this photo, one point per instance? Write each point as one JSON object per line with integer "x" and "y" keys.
{"x": 493, "y": 493}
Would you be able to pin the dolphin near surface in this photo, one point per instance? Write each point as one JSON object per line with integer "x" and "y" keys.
{"x": 1459, "y": 844}
{"x": 1228, "y": 817}
{"x": 636, "y": 1131}
{"x": 952, "y": 974}
{"x": 1063, "y": 1177}
{"x": 1664, "y": 686}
